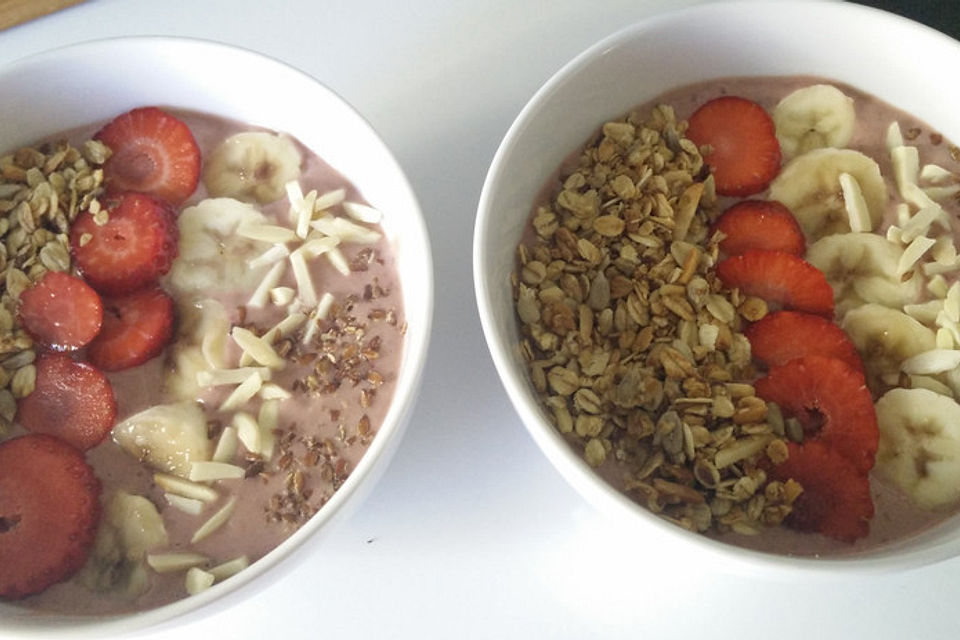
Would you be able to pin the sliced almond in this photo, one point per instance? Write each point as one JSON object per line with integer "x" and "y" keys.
{"x": 937, "y": 285}
{"x": 268, "y": 418}
{"x": 944, "y": 251}
{"x": 319, "y": 313}
{"x": 935, "y": 174}
{"x": 185, "y": 488}
{"x": 217, "y": 377}
{"x": 913, "y": 253}
{"x": 262, "y": 293}
{"x": 338, "y": 260}
{"x": 216, "y": 521}
{"x": 272, "y": 255}
{"x": 243, "y": 393}
{"x": 894, "y": 136}
{"x": 226, "y": 445}
{"x": 305, "y": 288}
{"x": 248, "y": 431}
{"x": 272, "y": 233}
{"x": 924, "y": 312}
{"x": 931, "y": 362}
{"x": 260, "y": 350}
{"x": 906, "y": 167}
{"x": 945, "y": 339}
{"x": 362, "y": 212}
{"x": 329, "y": 199}
{"x": 858, "y": 213}
{"x": 951, "y": 304}
{"x": 197, "y": 580}
{"x": 920, "y": 223}
{"x": 190, "y": 506}
{"x": 170, "y": 562}
{"x": 271, "y": 391}
{"x": 282, "y": 296}
{"x": 305, "y": 214}
{"x": 932, "y": 384}
{"x": 229, "y": 568}
{"x": 207, "y": 471}
{"x": 346, "y": 230}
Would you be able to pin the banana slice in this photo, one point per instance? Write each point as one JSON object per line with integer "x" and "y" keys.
{"x": 885, "y": 338}
{"x": 168, "y": 437}
{"x": 130, "y": 527}
{"x": 253, "y": 166}
{"x": 809, "y": 185}
{"x": 813, "y": 117}
{"x": 211, "y": 254}
{"x": 201, "y": 346}
{"x": 861, "y": 268}
{"x": 920, "y": 445}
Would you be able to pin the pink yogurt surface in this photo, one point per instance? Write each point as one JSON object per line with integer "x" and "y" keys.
{"x": 324, "y": 416}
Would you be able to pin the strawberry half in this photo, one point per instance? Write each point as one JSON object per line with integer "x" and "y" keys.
{"x": 71, "y": 400}
{"x": 831, "y": 401}
{"x": 783, "y": 336}
{"x": 779, "y": 277}
{"x": 136, "y": 327}
{"x": 836, "y": 498}
{"x": 60, "y": 312}
{"x": 760, "y": 224}
{"x": 49, "y": 512}
{"x": 153, "y": 152}
{"x": 132, "y": 249}
{"x": 743, "y": 149}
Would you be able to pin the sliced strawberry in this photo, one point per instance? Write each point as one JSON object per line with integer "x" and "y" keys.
{"x": 836, "y": 498}
{"x": 783, "y": 336}
{"x": 153, "y": 152}
{"x": 780, "y": 278}
{"x": 71, "y": 400}
{"x": 744, "y": 153}
{"x": 832, "y": 403}
{"x": 49, "y": 512}
{"x": 136, "y": 327}
{"x": 760, "y": 224}
{"x": 132, "y": 249}
{"x": 61, "y": 312}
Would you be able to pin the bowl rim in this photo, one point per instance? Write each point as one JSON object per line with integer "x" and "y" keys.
{"x": 567, "y": 463}
{"x": 376, "y": 458}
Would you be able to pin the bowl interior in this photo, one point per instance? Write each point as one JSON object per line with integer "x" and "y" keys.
{"x": 867, "y": 49}
{"x": 81, "y": 84}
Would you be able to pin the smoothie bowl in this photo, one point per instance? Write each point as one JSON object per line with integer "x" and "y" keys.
{"x": 216, "y": 304}
{"x": 716, "y": 269}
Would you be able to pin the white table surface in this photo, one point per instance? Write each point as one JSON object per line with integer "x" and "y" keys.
{"x": 470, "y": 533}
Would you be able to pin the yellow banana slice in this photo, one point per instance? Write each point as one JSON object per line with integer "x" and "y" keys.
{"x": 211, "y": 253}
{"x": 129, "y": 528}
{"x": 252, "y": 166}
{"x": 861, "y": 268}
{"x": 809, "y": 185}
{"x": 814, "y": 117}
{"x": 201, "y": 346}
{"x": 920, "y": 445}
{"x": 168, "y": 437}
{"x": 885, "y": 338}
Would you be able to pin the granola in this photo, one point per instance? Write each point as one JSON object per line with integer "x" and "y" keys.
{"x": 635, "y": 347}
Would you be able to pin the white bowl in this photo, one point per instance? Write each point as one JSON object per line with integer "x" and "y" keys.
{"x": 899, "y": 61}
{"x": 95, "y": 81}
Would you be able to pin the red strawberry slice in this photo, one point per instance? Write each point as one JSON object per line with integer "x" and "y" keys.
{"x": 836, "y": 498}
{"x": 136, "y": 327}
{"x": 61, "y": 312}
{"x": 744, "y": 153}
{"x": 71, "y": 400}
{"x": 153, "y": 152}
{"x": 783, "y": 336}
{"x": 780, "y": 278}
{"x": 49, "y": 512}
{"x": 135, "y": 246}
{"x": 831, "y": 401}
{"x": 760, "y": 224}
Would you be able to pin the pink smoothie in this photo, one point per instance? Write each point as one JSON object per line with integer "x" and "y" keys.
{"x": 323, "y": 430}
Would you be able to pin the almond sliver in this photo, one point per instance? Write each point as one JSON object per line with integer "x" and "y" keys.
{"x": 191, "y": 506}
{"x": 260, "y": 350}
{"x": 206, "y": 471}
{"x": 913, "y": 253}
{"x": 931, "y": 362}
{"x": 894, "y": 136}
{"x": 216, "y": 521}
{"x": 272, "y": 233}
{"x": 229, "y": 568}
{"x": 329, "y": 199}
{"x": 260, "y": 295}
{"x": 217, "y": 377}
{"x": 362, "y": 212}
{"x": 226, "y": 445}
{"x": 243, "y": 393}
{"x": 858, "y": 213}
{"x": 170, "y": 562}
{"x": 185, "y": 488}
{"x": 197, "y": 580}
